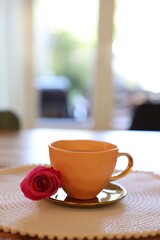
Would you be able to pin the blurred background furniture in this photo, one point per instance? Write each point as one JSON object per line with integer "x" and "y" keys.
{"x": 53, "y": 92}
{"x": 146, "y": 117}
{"x": 9, "y": 121}
{"x": 54, "y": 103}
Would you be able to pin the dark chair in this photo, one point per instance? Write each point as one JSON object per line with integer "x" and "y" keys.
{"x": 9, "y": 121}
{"x": 146, "y": 117}
{"x": 54, "y": 103}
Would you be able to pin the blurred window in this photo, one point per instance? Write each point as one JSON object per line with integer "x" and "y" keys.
{"x": 65, "y": 36}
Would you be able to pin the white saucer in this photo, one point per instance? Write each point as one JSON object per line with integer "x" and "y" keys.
{"x": 112, "y": 194}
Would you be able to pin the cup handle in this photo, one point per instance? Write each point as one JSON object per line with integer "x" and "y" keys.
{"x": 127, "y": 170}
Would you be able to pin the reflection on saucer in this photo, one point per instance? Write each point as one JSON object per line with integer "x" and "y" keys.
{"x": 82, "y": 202}
{"x": 113, "y": 193}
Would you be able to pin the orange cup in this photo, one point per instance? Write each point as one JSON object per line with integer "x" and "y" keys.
{"x": 86, "y": 166}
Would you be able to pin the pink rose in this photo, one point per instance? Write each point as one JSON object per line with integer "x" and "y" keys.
{"x": 41, "y": 182}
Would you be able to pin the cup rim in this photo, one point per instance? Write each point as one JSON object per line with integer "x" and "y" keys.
{"x": 113, "y": 147}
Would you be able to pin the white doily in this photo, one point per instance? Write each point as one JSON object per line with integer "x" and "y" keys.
{"x": 136, "y": 215}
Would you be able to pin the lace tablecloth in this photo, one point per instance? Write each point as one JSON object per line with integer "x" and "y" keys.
{"x": 136, "y": 215}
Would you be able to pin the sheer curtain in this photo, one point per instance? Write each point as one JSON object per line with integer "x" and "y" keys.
{"x": 16, "y": 91}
